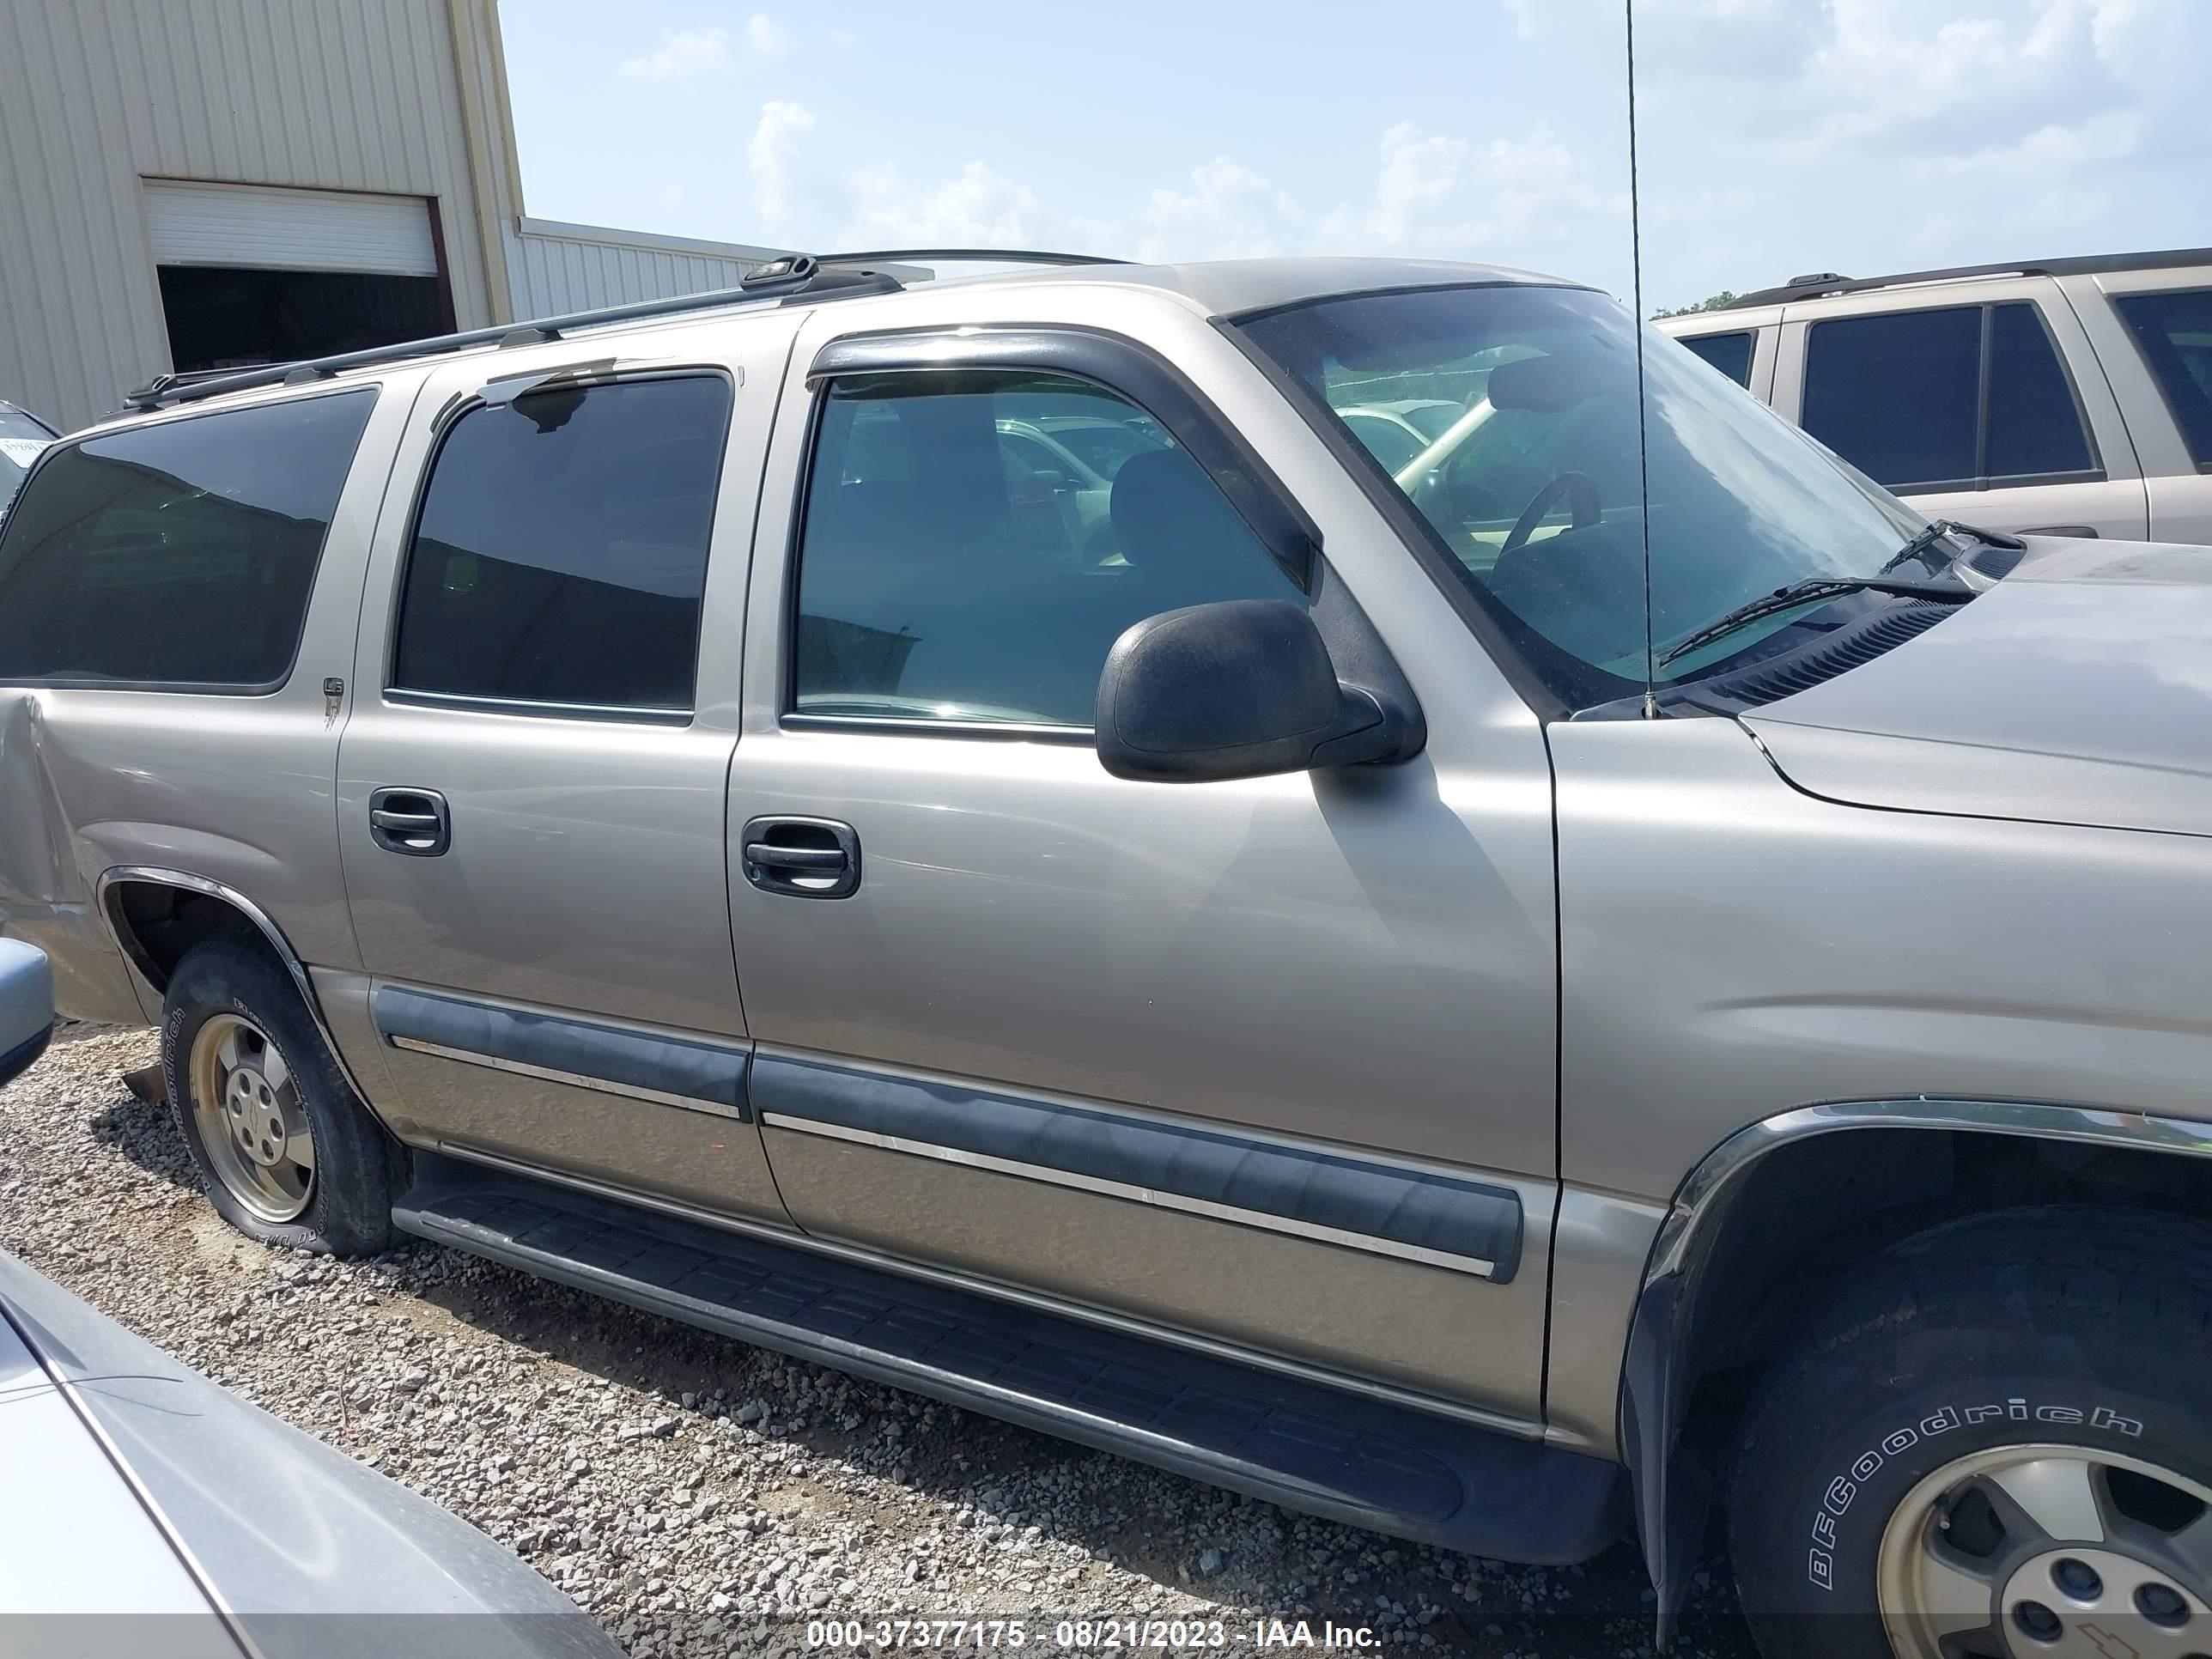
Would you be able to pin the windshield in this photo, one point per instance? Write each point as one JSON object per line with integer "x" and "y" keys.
{"x": 1536, "y": 485}
{"x": 21, "y": 438}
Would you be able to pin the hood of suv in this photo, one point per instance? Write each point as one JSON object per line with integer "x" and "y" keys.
{"x": 2078, "y": 690}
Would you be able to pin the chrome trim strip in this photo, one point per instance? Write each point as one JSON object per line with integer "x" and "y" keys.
{"x": 576, "y": 1079}
{"x": 1073, "y": 737}
{"x": 783, "y": 1233}
{"x": 254, "y": 913}
{"x": 1276, "y": 1224}
{"x": 595, "y": 711}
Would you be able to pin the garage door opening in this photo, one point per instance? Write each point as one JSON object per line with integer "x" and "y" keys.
{"x": 230, "y": 318}
{"x": 253, "y": 274}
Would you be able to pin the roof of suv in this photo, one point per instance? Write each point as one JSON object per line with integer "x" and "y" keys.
{"x": 1819, "y": 284}
{"x": 1222, "y": 288}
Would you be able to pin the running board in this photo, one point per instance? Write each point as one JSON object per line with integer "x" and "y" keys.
{"x": 1296, "y": 1443}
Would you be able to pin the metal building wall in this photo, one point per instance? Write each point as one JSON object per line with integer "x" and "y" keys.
{"x": 96, "y": 95}
{"x": 553, "y": 267}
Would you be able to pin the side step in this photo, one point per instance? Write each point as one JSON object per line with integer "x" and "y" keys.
{"x": 1292, "y": 1443}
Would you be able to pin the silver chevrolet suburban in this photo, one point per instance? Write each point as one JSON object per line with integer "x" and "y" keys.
{"x": 1600, "y": 972}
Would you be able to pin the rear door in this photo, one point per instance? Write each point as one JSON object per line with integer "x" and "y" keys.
{"x": 1196, "y": 1055}
{"x": 2153, "y": 330}
{"x": 530, "y": 787}
{"x": 1982, "y": 403}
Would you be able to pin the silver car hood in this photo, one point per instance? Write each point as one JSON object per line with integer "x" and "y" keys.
{"x": 309, "y": 1554}
{"x": 2078, "y": 690}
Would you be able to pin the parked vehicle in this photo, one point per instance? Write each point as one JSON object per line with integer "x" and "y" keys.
{"x": 22, "y": 435}
{"x": 2067, "y": 397}
{"x": 144, "y": 1510}
{"x": 1341, "y": 998}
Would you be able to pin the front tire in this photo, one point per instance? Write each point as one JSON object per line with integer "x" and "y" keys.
{"x": 1994, "y": 1442}
{"x": 288, "y": 1153}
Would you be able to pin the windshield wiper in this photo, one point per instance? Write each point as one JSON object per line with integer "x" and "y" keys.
{"x": 1814, "y": 587}
{"x": 1919, "y": 544}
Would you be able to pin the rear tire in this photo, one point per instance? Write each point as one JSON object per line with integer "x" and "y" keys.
{"x": 288, "y": 1153}
{"x": 1995, "y": 1439}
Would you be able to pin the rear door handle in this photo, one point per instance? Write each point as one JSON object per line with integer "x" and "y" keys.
{"x": 801, "y": 857}
{"x": 415, "y": 823}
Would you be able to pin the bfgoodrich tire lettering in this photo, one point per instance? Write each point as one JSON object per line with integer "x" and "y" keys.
{"x": 2048, "y": 1339}
{"x": 228, "y": 996}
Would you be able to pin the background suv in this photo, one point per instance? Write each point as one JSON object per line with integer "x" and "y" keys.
{"x": 2066, "y": 397}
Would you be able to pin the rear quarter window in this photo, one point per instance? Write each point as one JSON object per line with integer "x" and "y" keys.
{"x": 180, "y": 555}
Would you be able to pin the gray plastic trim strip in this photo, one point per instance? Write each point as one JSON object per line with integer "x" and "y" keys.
{"x": 1276, "y": 1224}
{"x": 1437, "y": 1217}
{"x": 667, "y": 1069}
{"x": 576, "y": 1079}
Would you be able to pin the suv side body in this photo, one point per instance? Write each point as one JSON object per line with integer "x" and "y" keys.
{"x": 1517, "y": 1092}
{"x": 2113, "y": 448}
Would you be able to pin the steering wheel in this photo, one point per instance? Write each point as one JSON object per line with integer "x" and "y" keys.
{"x": 1580, "y": 491}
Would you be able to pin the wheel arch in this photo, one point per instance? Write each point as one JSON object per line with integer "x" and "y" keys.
{"x": 157, "y": 914}
{"x": 1804, "y": 1195}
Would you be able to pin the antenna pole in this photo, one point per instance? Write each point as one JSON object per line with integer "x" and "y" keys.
{"x": 1642, "y": 443}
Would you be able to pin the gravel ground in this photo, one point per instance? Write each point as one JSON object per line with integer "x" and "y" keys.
{"x": 696, "y": 1495}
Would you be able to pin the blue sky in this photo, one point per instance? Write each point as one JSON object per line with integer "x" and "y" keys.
{"x": 1777, "y": 136}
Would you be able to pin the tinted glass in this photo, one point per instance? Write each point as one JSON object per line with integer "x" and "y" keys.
{"x": 941, "y": 578}
{"x": 1388, "y": 442}
{"x": 1539, "y": 491}
{"x": 177, "y": 554}
{"x": 1898, "y": 395}
{"x": 2035, "y": 427}
{"x": 561, "y": 548}
{"x": 2174, "y": 331}
{"x": 1729, "y": 353}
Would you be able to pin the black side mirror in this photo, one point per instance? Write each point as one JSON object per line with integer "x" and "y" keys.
{"x": 1240, "y": 689}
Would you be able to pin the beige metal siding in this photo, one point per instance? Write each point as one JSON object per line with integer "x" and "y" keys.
{"x": 557, "y": 267}
{"x": 96, "y": 95}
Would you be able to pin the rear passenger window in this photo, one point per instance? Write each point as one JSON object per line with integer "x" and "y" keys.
{"x": 1961, "y": 397}
{"x": 560, "y": 551}
{"x": 2034, "y": 429}
{"x": 2174, "y": 333}
{"x": 1897, "y": 396}
{"x": 181, "y": 554}
{"x": 1729, "y": 353}
{"x": 961, "y": 561}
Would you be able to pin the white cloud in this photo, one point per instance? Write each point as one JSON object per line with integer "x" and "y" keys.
{"x": 1230, "y": 212}
{"x": 681, "y": 54}
{"x": 977, "y": 207}
{"x": 775, "y": 144}
{"x": 765, "y": 35}
{"x": 1504, "y": 201}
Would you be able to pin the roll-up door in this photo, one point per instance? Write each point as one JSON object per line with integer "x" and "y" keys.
{"x": 254, "y": 227}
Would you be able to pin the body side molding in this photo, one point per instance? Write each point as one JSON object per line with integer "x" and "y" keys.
{"x": 1655, "y": 1393}
{"x": 1440, "y": 1219}
{"x": 689, "y": 1073}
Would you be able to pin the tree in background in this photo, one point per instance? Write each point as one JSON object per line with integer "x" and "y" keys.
{"x": 1720, "y": 301}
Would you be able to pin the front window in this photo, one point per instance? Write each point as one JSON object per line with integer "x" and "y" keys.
{"x": 1537, "y": 487}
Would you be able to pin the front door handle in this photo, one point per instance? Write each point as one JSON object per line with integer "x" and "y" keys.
{"x": 415, "y": 823}
{"x": 801, "y": 857}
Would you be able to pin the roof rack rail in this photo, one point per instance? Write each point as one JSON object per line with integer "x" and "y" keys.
{"x": 1828, "y": 281}
{"x": 1011, "y": 256}
{"x": 794, "y": 276}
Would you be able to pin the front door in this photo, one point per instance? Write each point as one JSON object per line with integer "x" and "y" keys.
{"x": 530, "y": 787}
{"x": 1265, "y": 1063}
